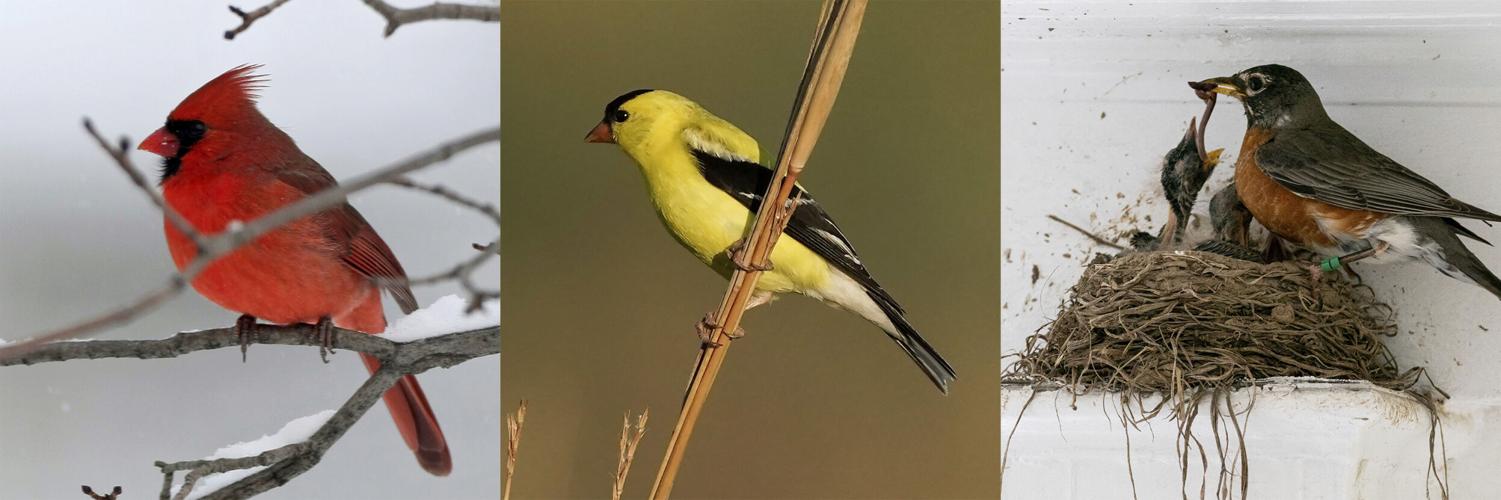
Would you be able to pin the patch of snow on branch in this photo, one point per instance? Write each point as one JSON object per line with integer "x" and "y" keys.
{"x": 296, "y": 431}
{"x": 445, "y": 315}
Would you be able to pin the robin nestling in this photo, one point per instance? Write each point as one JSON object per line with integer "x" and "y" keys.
{"x": 1184, "y": 170}
{"x": 1313, "y": 183}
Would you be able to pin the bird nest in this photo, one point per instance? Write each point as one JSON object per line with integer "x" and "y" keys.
{"x": 1189, "y": 327}
{"x": 1161, "y": 322}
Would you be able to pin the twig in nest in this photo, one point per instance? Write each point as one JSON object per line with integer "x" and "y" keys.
{"x": 249, "y": 18}
{"x": 514, "y": 422}
{"x": 629, "y": 438}
{"x": 1085, "y": 232}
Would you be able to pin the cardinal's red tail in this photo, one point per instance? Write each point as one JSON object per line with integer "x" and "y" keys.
{"x": 416, "y": 422}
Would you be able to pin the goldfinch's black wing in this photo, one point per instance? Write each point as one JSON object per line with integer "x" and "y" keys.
{"x": 812, "y": 227}
{"x": 1331, "y": 165}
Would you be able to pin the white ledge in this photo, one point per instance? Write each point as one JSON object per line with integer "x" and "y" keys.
{"x": 1305, "y": 438}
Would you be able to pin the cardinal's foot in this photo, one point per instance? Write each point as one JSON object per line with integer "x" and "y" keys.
{"x": 324, "y": 330}
{"x": 244, "y": 329}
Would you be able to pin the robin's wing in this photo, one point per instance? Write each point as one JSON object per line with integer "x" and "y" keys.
{"x": 746, "y": 182}
{"x": 1333, "y": 166}
{"x": 365, "y": 251}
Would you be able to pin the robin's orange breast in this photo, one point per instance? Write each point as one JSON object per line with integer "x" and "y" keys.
{"x": 1289, "y": 216}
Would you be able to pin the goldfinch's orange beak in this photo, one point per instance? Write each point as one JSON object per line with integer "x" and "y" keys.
{"x": 601, "y": 133}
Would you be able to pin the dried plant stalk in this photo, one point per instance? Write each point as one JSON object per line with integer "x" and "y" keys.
{"x": 514, "y": 422}
{"x": 629, "y": 438}
{"x": 832, "y": 46}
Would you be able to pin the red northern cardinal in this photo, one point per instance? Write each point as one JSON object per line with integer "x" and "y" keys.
{"x": 226, "y": 162}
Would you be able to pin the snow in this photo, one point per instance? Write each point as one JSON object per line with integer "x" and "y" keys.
{"x": 296, "y": 431}
{"x": 445, "y": 315}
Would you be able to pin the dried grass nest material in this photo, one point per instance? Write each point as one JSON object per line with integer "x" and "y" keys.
{"x": 1164, "y": 322}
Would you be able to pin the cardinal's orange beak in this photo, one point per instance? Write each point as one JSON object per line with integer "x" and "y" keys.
{"x": 601, "y": 133}
{"x": 161, "y": 143}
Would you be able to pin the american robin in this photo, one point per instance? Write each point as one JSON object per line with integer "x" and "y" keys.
{"x": 1185, "y": 168}
{"x": 1313, "y": 183}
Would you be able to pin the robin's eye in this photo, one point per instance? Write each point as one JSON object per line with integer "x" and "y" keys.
{"x": 620, "y": 115}
{"x": 1255, "y": 83}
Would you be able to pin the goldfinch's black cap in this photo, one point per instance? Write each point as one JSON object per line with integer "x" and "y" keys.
{"x": 615, "y": 104}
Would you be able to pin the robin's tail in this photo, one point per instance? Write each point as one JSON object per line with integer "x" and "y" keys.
{"x": 1454, "y": 258}
{"x": 416, "y": 422}
{"x": 912, "y": 343}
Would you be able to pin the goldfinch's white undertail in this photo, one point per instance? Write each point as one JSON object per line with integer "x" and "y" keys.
{"x": 703, "y": 176}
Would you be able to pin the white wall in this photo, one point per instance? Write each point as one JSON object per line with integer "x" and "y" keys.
{"x": 1094, "y": 94}
{"x": 76, "y": 238}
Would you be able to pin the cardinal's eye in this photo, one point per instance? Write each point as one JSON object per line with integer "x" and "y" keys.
{"x": 1255, "y": 83}
{"x": 187, "y": 131}
{"x": 620, "y": 116}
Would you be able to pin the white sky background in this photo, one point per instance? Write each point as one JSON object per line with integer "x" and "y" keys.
{"x": 76, "y": 238}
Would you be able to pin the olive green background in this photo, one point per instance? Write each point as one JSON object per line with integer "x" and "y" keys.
{"x": 599, "y": 303}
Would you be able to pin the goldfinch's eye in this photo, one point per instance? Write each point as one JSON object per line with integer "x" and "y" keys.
{"x": 1255, "y": 83}
{"x": 620, "y": 116}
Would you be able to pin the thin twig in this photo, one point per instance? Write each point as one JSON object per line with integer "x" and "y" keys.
{"x": 832, "y": 46}
{"x": 1085, "y": 232}
{"x": 121, "y": 155}
{"x": 462, "y": 271}
{"x": 514, "y": 422}
{"x": 249, "y": 18}
{"x": 396, "y": 17}
{"x": 628, "y": 441}
{"x": 223, "y": 243}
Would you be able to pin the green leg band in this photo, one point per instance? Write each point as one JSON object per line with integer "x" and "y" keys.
{"x": 1329, "y": 264}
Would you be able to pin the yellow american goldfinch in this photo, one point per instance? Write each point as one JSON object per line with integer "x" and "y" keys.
{"x": 703, "y": 177}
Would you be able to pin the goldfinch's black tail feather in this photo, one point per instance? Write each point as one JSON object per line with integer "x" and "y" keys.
{"x": 913, "y": 344}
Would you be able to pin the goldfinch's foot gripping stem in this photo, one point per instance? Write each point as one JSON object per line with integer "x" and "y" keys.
{"x": 706, "y": 327}
{"x": 741, "y": 258}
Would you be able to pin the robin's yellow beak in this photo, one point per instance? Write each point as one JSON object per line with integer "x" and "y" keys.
{"x": 1223, "y": 85}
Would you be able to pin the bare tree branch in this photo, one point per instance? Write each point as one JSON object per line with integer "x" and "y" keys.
{"x": 249, "y": 18}
{"x": 395, "y": 16}
{"x": 287, "y": 462}
{"x": 232, "y": 238}
{"x": 182, "y": 343}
